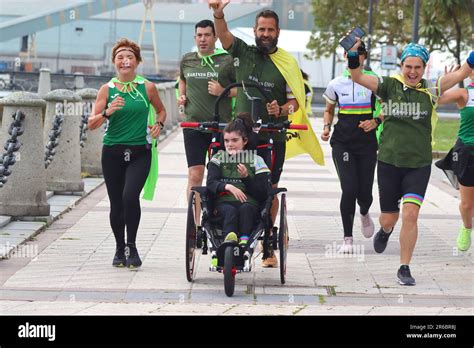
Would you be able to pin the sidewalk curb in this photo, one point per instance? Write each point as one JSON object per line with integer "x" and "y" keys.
{"x": 15, "y": 232}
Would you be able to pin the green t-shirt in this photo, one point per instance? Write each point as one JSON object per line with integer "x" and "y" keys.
{"x": 128, "y": 125}
{"x": 230, "y": 175}
{"x": 197, "y": 72}
{"x": 466, "y": 129}
{"x": 406, "y": 138}
{"x": 252, "y": 65}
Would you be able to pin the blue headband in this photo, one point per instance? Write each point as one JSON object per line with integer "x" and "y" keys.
{"x": 416, "y": 50}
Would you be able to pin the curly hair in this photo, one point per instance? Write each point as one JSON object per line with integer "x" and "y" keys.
{"x": 126, "y": 43}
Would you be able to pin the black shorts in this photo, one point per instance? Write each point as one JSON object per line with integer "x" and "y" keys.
{"x": 468, "y": 176}
{"x": 397, "y": 183}
{"x": 275, "y": 164}
{"x": 196, "y": 144}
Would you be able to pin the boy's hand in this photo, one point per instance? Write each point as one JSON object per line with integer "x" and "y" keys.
{"x": 236, "y": 192}
{"x": 242, "y": 169}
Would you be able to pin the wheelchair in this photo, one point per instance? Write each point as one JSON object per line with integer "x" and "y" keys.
{"x": 231, "y": 257}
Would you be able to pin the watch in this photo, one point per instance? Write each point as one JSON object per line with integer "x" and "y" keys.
{"x": 281, "y": 112}
{"x": 161, "y": 124}
{"x": 327, "y": 125}
{"x": 378, "y": 120}
{"x": 104, "y": 114}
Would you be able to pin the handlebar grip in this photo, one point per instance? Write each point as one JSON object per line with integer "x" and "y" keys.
{"x": 189, "y": 124}
{"x": 299, "y": 126}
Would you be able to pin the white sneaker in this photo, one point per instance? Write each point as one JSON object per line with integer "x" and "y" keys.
{"x": 367, "y": 225}
{"x": 346, "y": 247}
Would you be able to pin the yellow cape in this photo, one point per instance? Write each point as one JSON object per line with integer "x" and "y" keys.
{"x": 302, "y": 141}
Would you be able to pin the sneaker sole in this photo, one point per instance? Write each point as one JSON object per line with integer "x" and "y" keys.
{"x": 406, "y": 284}
{"x": 122, "y": 265}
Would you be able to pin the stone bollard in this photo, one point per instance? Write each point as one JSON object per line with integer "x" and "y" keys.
{"x": 162, "y": 92}
{"x": 78, "y": 80}
{"x": 64, "y": 172}
{"x": 172, "y": 104}
{"x": 92, "y": 151}
{"x": 24, "y": 194}
{"x": 44, "y": 84}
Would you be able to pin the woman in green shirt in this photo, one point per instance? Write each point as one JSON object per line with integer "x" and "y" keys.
{"x": 464, "y": 99}
{"x": 404, "y": 159}
{"x": 124, "y": 103}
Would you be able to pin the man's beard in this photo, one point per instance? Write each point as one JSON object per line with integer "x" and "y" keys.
{"x": 268, "y": 47}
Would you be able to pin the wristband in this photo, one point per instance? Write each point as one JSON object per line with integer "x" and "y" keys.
{"x": 327, "y": 125}
{"x": 352, "y": 54}
{"x": 378, "y": 120}
{"x": 353, "y": 60}
{"x": 281, "y": 112}
{"x": 218, "y": 17}
{"x": 161, "y": 124}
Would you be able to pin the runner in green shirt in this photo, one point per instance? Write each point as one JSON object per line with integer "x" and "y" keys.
{"x": 203, "y": 77}
{"x": 464, "y": 99}
{"x": 253, "y": 63}
{"x": 125, "y": 103}
{"x": 404, "y": 163}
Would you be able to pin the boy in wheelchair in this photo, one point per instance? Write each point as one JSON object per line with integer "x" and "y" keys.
{"x": 239, "y": 180}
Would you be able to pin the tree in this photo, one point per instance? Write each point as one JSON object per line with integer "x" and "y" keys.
{"x": 444, "y": 23}
{"x": 391, "y": 22}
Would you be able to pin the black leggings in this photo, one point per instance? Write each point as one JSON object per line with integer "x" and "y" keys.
{"x": 356, "y": 174}
{"x": 125, "y": 169}
{"x": 237, "y": 217}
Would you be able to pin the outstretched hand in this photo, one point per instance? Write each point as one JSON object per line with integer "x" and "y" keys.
{"x": 218, "y": 5}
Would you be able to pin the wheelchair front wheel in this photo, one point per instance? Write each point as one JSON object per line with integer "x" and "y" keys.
{"x": 191, "y": 238}
{"x": 283, "y": 238}
{"x": 229, "y": 271}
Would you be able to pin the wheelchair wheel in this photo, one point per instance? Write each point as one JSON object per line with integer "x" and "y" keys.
{"x": 191, "y": 235}
{"x": 283, "y": 238}
{"x": 229, "y": 271}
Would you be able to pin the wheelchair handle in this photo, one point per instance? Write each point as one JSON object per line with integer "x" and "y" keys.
{"x": 270, "y": 127}
{"x": 241, "y": 84}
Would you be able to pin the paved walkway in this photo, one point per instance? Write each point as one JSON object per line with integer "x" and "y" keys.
{"x": 73, "y": 274}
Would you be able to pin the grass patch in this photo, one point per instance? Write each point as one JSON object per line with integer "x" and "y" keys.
{"x": 321, "y": 299}
{"x": 446, "y": 134}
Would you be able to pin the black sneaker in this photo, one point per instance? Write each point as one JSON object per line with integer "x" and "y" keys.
{"x": 133, "y": 259}
{"x": 119, "y": 258}
{"x": 381, "y": 240}
{"x": 404, "y": 276}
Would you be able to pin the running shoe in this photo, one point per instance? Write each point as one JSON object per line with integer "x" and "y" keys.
{"x": 133, "y": 259}
{"x": 381, "y": 240}
{"x": 464, "y": 239}
{"x": 231, "y": 237}
{"x": 404, "y": 276}
{"x": 119, "y": 259}
{"x": 346, "y": 247}
{"x": 367, "y": 225}
{"x": 270, "y": 261}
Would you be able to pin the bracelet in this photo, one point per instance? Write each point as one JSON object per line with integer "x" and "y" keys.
{"x": 218, "y": 17}
{"x": 327, "y": 125}
{"x": 161, "y": 124}
{"x": 104, "y": 114}
{"x": 378, "y": 120}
